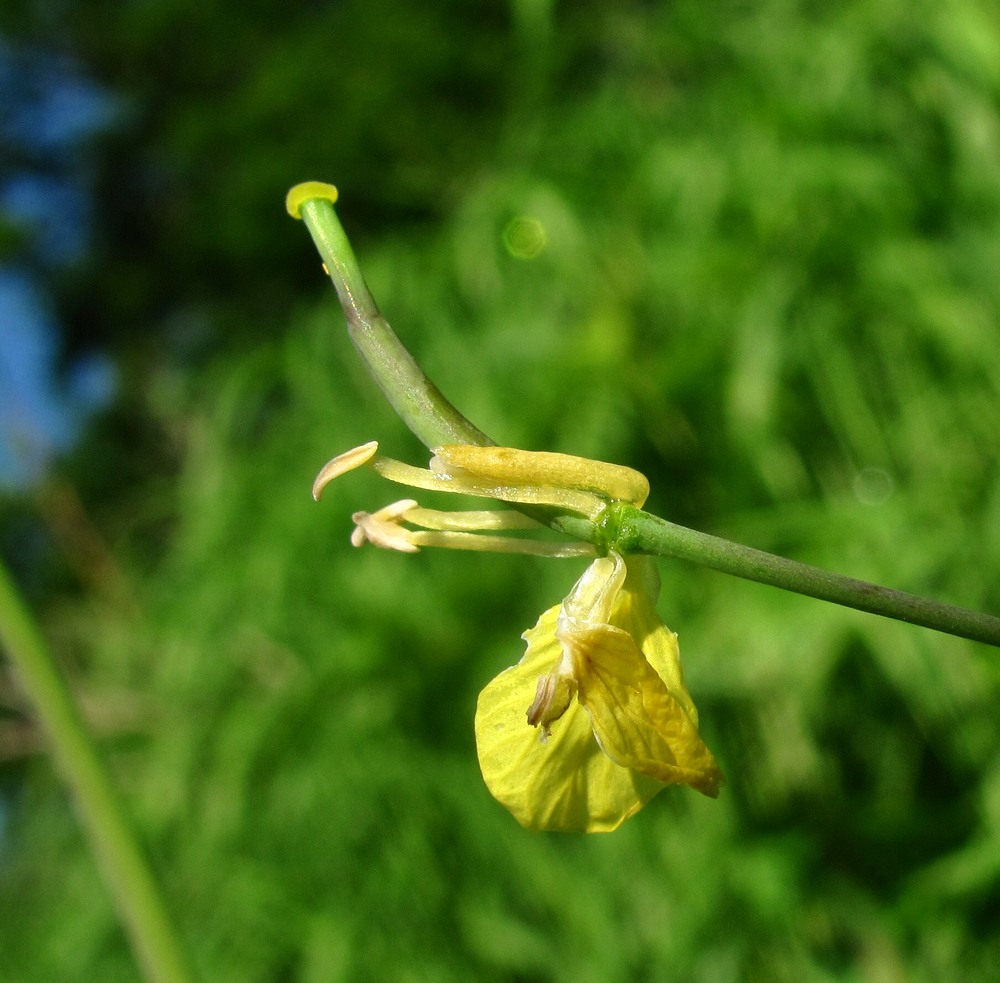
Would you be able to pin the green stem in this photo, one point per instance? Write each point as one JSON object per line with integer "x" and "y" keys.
{"x": 419, "y": 403}
{"x": 637, "y": 531}
{"x": 125, "y": 870}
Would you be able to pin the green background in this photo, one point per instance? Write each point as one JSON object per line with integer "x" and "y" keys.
{"x": 769, "y": 281}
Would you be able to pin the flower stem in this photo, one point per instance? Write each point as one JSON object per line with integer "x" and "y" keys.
{"x": 638, "y": 531}
{"x": 417, "y": 401}
{"x": 125, "y": 870}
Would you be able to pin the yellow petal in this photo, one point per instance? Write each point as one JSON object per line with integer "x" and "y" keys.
{"x": 567, "y": 782}
{"x": 635, "y": 612}
{"x": 637, "y": 721}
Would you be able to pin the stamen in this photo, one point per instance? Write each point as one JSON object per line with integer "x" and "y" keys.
{"x": 385, "y": 528}
{"x": 553, "y": 694}
{"x": 467, "y": 483}
{"x": 407, "y": 474}
{"x": 453, "y": 530}
{"x": 472, "y": 521}
{"x": 481, "y": 543}
{"x": 343, "y": 463}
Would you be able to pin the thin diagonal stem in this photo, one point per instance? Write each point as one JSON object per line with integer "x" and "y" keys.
{"x": 419, "y": 403}
{"x": 638, "y": 531}
{"x": 125, "y": 869}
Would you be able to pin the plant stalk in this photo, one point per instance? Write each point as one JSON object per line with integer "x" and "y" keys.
{"x": 417, "y": 401}
{"x": 640, "y": 532}
{"x": 126, "y": 872}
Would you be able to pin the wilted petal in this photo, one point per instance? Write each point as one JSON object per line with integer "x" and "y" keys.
{"x": 635, "y": 718}
{"x": 635, "y": 612}
{"x": 566, "y": 782}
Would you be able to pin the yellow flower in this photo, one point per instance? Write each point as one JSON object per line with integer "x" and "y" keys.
{"x": 602, "y": 682}
{"x": 595, "y": 718}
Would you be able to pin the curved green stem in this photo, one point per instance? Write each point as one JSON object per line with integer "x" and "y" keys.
{"x": 417, "y": 401}
{"x": 639, "y": 532}
{"x": 125, "y": 869}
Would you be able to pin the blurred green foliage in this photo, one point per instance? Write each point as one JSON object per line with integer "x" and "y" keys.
{"x": 769, "y": 281}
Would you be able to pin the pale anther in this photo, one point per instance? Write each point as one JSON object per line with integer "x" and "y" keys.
{"x": 385, "y": 528}
{"x": 343, "y": 463}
